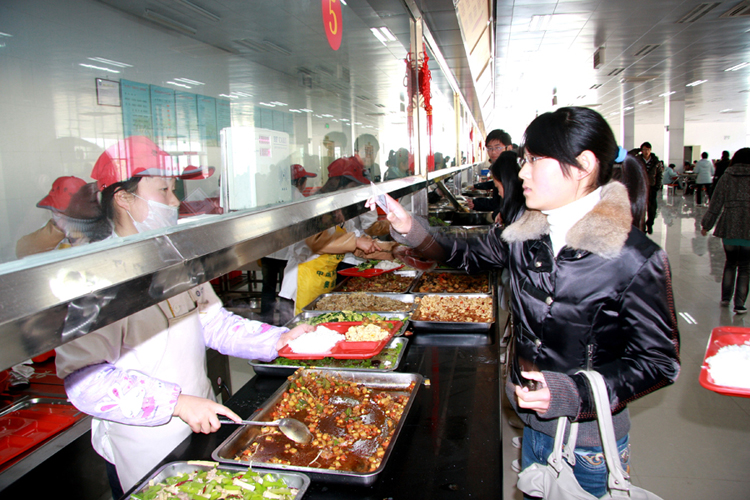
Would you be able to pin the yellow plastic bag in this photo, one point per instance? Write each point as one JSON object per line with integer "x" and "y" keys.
{"x": 315, "y": 277}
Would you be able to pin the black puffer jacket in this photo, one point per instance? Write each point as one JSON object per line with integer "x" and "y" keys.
{"x": 604, "y": 303}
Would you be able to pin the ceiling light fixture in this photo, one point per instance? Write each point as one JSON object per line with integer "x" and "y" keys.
{"x": 738, "y": 66}
{"x": 278, "y": 103}
{"x": 199, "y": 10}
{"x": 343, "y": 2}
{"x": 188, "y": 81}
{"x": 99, "y": 68}
{"x": 180, "y": 85}
{"x": 306, "y": 110}
{"x": 229, "y": 96}
{"x": 270, "y": 105}
{"x": 241, "y": 94}
{"x": 646, "y": 102}
{"x": 540, "y": 23}
{"x": 614, "y": 113}
{"x": 326, "y": 116}
{"x": 696, "y": 83}
{"x": 376, "y": 32}
{"x": 5, "y": 34}
{"x": 295, "y": 111}
{"x": 169, "y": 22}
{"x": 277, "y": 48}
{"x": 628, "y": 108}
{"x": 725, "y": 110}
{"x": 665, "y": 94}
{"x": 110, "y": 62}
{"x": 388, "y": 34}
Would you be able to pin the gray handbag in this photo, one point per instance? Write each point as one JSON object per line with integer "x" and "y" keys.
{"x": 556, "y": 480}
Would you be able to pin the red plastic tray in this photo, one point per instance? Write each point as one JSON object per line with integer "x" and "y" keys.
{"x": 367, "y": 273}
{"x": 720, "y": 337}
{"x": 346, "y": 349}
{"x": 21, "y": 430}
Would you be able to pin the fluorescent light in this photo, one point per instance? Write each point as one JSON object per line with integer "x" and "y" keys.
{"x": 628, "y": 108}
{"x": 180, "y": 85}
{"x": 169, "y": 23}
{"x": 738, "y": 66}
{"x": 343, "y": 2}
{"x": 306, "y": 110}
{"x": 540, "y": 23}
{"x": 388, "y": 34}
{"x": 199, "y": 10}
{"x": 614, "y": 113}
{"x": 665, "y": 94}
{"x": 241, "y": 94}
{"x": 378, "y": 35}
{"x": 229, "y": 96}
{"x": 326, "y": 116}
{"x": 696, "y": 83}
{"x": 344, "y": 119}
{"x": 188, "y": 81}
{"x": 646, "y": 102}
{"x": 5, "y": 34}
{"x": 267, "y": 104}
{"x": 294, "y": 111}
{"x": 277, "y": 103}
{"x": 358, "y": 123}
{"x": 725, "y": 110}
{"x": 277, "y": 48}
{"x": 99, "y": 68}
{"x": 110, "y": 62}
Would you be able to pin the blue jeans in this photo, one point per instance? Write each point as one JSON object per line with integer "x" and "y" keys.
{"x": 590, "y": 468}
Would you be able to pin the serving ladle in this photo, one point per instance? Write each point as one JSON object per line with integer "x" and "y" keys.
{"x": 290, "y": 427}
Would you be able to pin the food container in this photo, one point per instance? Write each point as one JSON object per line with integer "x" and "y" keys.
{"x": 457, "y": 326}
{"x": 720, "y": 337}
{"x": 459, "y": 279}
{"x": 235, "y": 444}
{"x": 348, "y": 349}
{"x": 32, "y": 421}
{"x": 309, "y": 317}
{"x": 402, "y": 297}
{"x": 387, "y": 360}
{"x": 292, "y": 479}
{"x": 396, "y": 282}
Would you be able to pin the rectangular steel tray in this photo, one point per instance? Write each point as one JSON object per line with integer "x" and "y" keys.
{"x": 241, "y": 438}
{"x": 418, "y": 282}
{"x": 412, "y": 274}
{"x": 455, "y": 327}
{"x": 272, "y": 369}
{"x": 403, "y": 297}
{"x": 292, "y": 479}
{"x": 305, "y": 315}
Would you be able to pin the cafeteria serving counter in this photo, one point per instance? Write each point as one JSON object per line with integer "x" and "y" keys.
{"x": 450, "y": 446}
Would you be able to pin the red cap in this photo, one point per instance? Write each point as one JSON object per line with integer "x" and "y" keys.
{"x": 298, "y": 172}
{"x": 350, "y": 168}
{"x": 62, "y": 191}
{"x": 139, "y": 156}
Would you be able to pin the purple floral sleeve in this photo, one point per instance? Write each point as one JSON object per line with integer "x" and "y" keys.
{"x": 125, "y": 396}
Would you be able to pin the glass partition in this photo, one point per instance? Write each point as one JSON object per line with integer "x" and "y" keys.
{"x": 246, "y": 103}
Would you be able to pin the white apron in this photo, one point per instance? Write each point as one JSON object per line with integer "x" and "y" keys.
{"x": 177, "y": 355}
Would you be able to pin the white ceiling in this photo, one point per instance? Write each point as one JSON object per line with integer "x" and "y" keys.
{"x": 531, "y": 65}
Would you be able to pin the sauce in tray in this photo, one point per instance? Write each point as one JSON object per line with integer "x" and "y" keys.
{"x": 352, "y": 424}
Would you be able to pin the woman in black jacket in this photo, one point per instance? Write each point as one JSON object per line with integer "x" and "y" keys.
{"x": 589, "y": 290}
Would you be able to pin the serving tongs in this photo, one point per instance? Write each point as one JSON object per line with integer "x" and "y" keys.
{"x": 447, "y": 193}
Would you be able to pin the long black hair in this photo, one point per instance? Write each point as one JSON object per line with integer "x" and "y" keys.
{"x": 632, "y": 173}
{"x": 566, "y": 133}
{"x": 505, "y": 171}
{"x": 108, "y": 195}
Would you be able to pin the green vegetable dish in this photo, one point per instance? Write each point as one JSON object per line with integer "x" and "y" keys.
{"x": 368, "y": 264}
{"x": 215, "y": 484}
{"x": 342, "y": 316}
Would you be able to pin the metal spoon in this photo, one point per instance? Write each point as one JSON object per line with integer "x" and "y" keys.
{"x": 290, "y": 427}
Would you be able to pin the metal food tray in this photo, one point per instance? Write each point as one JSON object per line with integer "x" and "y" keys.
{"x": 412, "y": 274}
{"x": 271, "y": 369}
{"x": 398, "y": 316}
{"x": 451, "y": 326}
{"x": 242, "y": 437}
{"x": 403, "y": 297}
{"x": 26, "y": 403}
{"x": 292, "y": 479}
{"x": 418, "y": 282}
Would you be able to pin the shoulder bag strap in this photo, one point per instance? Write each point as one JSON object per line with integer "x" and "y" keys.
{"x": 618, "y": 479}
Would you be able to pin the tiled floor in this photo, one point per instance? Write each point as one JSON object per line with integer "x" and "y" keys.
{"x": 687, "y": 443}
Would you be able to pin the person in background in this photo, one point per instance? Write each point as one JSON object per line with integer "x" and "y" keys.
{"x": 311, "y": 268}
{"x": 654, "y": 169}
{"x": 496, "y": 142}
{"x": 729, "y": 210}
{"x": 509, "y": 203}
{"x": 143, "y": 378}
{"x": 367, "y": 146}
{"x": 589, "y": 289}
{"x": 76, "y": 218}
{"x": 398, "y": 165}
{"x": 720, "y": 168}
{"x": 672, "y": 177}
{"x": 272, "y": 266}
{"x": 704, "y": 173}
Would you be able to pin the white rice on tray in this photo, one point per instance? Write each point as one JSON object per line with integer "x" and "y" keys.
{"x": 387, "y": 265}
{"x": 319, "y": 341}
{"x": 730, "y": 366}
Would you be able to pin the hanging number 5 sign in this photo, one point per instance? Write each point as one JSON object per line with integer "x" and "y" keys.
{"x": 333, "y": 23}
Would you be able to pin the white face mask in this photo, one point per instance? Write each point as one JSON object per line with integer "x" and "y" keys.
{"x": 159, "y": 216}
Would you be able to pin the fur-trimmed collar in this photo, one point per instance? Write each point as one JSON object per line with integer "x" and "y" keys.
{"x": 603, "y": 231}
